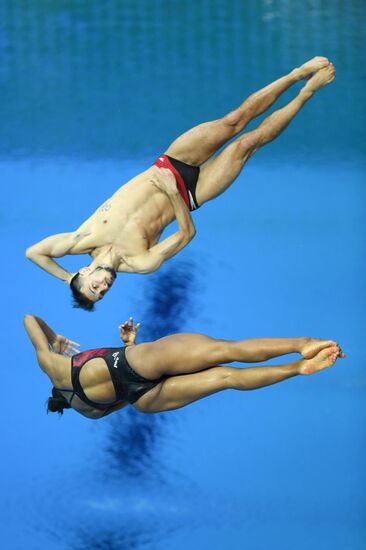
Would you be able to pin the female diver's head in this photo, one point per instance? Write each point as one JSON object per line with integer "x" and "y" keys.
{"x": 57, "y": 403}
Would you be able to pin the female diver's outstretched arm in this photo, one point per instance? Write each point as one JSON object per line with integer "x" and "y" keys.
{"x": 43, "y": 337}
{"x": 50, "y": 348}
{"x": 40, "y": 334}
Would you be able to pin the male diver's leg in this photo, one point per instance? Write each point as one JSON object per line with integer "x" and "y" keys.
{"x": 201, "y": 142}
{"x": 178, "y": 391}
{"x": 187, "y": 352}
{"x": 220, "y": 172}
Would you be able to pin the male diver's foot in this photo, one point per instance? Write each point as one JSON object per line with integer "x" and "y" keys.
{"x": 319, "y": 79}
{"x": 310, "y": 67}
{"x": 323, "y": 360}
{"x": 312, "y": 346}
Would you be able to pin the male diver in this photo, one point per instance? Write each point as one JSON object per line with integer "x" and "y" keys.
{"x": 123, "y": 234}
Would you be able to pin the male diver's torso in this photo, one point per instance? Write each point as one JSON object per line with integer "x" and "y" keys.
{"x": 131, "y": 220}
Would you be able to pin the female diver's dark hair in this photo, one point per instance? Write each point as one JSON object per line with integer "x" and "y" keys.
{"x": 79, "y": 299}
{"x": 57, "y": 403}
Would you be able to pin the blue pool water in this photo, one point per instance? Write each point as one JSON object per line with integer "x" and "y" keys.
{"x": 90, "y": 92}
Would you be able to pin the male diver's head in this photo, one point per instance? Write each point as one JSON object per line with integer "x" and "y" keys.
{"x": 90, "y": 285}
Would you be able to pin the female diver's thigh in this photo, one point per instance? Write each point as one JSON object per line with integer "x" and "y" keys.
{"x": 177, "y": 391}
{"x": 176, "y": 354}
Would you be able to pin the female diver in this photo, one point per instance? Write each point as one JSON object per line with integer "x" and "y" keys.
{"x": 166, "y": 374}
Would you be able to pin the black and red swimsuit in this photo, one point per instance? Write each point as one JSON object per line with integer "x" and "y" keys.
{"x": 186, "y": 177}
{"x": 128, "y": 384}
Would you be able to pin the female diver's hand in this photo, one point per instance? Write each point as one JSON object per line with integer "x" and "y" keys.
{"x": 64, "y": 346}
{"x": 128, "y": 332}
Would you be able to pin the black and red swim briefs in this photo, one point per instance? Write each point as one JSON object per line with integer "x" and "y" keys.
{"x": 186, "y": 177}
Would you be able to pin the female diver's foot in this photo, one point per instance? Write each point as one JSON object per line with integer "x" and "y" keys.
{"x": 324, "y": 359}
{"x": 310, "y": 67}
{"x": 312, "y": 346}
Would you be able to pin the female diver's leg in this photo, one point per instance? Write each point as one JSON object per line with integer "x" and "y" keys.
{"x": 187, "y": 353}
{"x": 201, "y": 142}
{"x": 178, "y": 391}
{"x": 221, "y": 171}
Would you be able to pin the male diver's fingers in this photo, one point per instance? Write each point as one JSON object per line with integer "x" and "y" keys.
{"x": 131, "y": 322}
{"x": 160, "y": 171}
{"x": 137, "y": 326}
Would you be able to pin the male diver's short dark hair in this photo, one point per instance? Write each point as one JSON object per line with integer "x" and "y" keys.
{"x": 79, "y": 299}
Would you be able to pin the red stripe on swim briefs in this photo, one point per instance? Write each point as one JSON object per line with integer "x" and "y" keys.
{"x": 164, "y": 162}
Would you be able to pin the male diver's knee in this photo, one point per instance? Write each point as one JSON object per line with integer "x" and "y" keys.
{"x": 248, "y": 143}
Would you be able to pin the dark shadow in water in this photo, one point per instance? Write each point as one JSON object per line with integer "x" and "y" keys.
{"x": 133, "y": 437}
{"x": 119, "y": 539}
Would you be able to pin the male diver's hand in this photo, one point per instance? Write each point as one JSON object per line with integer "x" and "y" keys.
{"x": 128, "y": 332}
{"x": 164, "y": 180}
{"x": 64, "y": 346}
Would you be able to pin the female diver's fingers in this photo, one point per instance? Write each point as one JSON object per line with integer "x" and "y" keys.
{"x": 137, "y": 326}
{"x": 72, "y": 342}
{"x": 131, "y": 322}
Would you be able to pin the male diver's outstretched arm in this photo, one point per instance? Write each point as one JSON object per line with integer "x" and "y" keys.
{"x": 56, "y": 246}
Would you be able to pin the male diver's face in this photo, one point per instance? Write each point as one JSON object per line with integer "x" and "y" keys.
{"x": 96, "y": 282}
